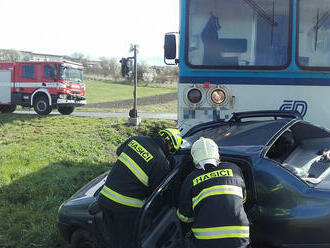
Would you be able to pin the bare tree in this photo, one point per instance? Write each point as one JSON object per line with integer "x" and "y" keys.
{"x": 105, "y": 66}
{"x": 114, "y": 68}
{"x": 110, "y": 67}
{"x": 142, "y": 69}
{"x": 79, "y": 56}
{"x": 10, "y": 55}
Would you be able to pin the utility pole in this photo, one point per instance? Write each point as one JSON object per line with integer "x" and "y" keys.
{"x": 134, "y": 119}
{"x": 135, "y": 83}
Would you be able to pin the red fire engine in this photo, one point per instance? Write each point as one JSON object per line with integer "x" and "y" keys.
{"x": 41, "y": 85}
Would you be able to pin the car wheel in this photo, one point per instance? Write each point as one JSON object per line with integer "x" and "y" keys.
{"x": 7, "y": 108}
{"x": 65, "y": 110}
{"x": 83, "y": 239}
{"x": 41, "y": 105}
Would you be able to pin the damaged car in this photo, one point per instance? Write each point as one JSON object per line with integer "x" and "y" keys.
{"x": 286, "y": 166}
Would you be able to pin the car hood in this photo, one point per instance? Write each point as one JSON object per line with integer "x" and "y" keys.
{"x": 75, "y": 209}
{"x": 90, "y": 189}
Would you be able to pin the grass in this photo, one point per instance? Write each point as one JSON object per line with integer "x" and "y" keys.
{"x": 97, "y": 91}
{"x": 43, "y": 161}
{"x": 170, "y": 107}
{"x": 167, "y": 84}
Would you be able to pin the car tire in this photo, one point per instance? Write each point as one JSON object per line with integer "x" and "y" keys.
{"x": 84, "y": 239}
{"x": 65, "y": 110}
{"x": 7, "y": 108}
{"x": 41, "y": 105}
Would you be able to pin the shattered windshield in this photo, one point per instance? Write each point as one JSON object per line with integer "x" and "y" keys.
{"x": 71, "y": 74}
{"x": 238, "y": 32}
{"x": 314, "y": 33}
{"x": 304, "y": 150}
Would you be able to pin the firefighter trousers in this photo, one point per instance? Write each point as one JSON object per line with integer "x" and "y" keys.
{"x": 222, "y": 243}
{"x": 121, "y": 227}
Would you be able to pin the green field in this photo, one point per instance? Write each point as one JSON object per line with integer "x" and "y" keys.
{"x": 170, "y": 107}
{"x": 97, "y": 91}
{"x": 104, "y": 92}
{"x": 43, "y": 161}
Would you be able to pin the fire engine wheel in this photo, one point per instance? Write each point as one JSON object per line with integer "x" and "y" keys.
{"x": 65, "y": 110}
{"x": 7, "y": 108}
{"x": 41, "y": 105}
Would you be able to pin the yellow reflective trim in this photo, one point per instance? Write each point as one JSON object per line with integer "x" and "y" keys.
{"x": 184, "y": 218}
{"x": 221, "y": 232}
{"x": 217, "y": 190}
{"x": 221, "y": 228}
{"x": 121, "y": 199}
{"x": 213, "y": 174}
{"x": 134, "y": 168}
{"x": 139, "y": 149}
{"x": 222, "y": 236}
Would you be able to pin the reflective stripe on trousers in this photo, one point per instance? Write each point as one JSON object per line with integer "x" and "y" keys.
{"x": 221, "y": 232}
{"x": 134, "y": 168}
{"x": 121, "y": 199}
{"x": 217, "y": 190}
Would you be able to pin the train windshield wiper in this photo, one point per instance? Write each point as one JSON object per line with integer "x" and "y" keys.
{"x": 270, "y": 19}
{"x": 319, "y": 23}
{"x": 262, "y": 13}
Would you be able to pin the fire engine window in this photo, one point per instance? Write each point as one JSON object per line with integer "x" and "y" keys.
{"x": 50, "y": 71}
{"x": 28, "y": 71}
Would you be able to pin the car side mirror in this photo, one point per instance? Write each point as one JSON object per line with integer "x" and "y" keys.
{"x": 170, "y": 48}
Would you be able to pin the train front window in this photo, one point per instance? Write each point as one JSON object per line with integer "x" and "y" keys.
{"x": 314, "y": 33}
{"x": 238, "y": 33}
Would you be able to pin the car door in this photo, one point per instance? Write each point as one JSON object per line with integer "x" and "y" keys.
{"x": 289, "y": 203}
{"x": 158, "y": 225}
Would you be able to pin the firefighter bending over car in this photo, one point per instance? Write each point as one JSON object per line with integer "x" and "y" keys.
{"x": 140, "y": 168}
{"x": 211, "y": 200}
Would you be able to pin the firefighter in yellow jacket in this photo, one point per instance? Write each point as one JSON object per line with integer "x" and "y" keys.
{"x": 140, "y": 168}
{"x": 211, "y": 200}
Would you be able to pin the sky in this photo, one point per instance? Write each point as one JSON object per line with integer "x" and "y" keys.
{"x": 99, "y": 28}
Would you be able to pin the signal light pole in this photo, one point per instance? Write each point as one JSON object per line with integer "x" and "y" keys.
{"x": 134, "y": 119}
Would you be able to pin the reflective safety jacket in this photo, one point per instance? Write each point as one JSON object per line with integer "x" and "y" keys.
{"x": 139, "y": 169}
{"x": 212, "y": 200}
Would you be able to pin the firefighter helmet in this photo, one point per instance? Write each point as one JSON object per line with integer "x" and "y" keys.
{"x": 205, "y": 151}
{"x": 172, "y": 137}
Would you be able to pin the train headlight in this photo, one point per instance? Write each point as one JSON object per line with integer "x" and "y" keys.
{"x": 194, "y": 95}
{"x": 218, "y": 96}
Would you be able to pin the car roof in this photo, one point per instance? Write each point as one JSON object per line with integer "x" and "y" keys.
{"x": 241, "y": 134}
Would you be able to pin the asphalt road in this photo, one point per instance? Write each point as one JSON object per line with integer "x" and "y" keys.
{"x": 101, "y": 114}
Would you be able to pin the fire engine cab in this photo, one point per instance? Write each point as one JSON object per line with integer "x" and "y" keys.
{"x": 42, "y": 85}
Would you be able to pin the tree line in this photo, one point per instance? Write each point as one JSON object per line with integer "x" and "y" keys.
{"x": 108, "y": 68}
{"x": 111, "y": 68}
